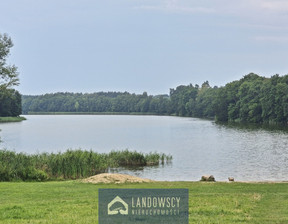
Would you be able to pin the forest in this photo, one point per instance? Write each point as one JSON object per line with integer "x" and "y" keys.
{"x": 253, "y": 99}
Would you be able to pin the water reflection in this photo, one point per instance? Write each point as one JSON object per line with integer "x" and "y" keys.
{"x": 245, "y": 152}
{"x": 253, "y": 127}
{"x": 145, "y": 171}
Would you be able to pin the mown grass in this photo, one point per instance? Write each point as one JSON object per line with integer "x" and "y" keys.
{"x": 72, "y": 164}
{"x": 76, "y": 202}
{"x": 11, "y": 119}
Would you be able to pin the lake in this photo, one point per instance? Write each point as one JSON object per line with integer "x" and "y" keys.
{"x": 198, "y": 146}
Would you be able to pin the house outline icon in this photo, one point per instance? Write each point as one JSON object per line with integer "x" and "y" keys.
{"x": 118, "y": 210}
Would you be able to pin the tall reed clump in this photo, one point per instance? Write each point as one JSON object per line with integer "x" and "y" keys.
{"x": 155, "y": 158}
{"x": 19, "y": 166}
{"x": 126, "y": 158}
{"x": 71, "y": 164}
{"x": 74, "y": 164}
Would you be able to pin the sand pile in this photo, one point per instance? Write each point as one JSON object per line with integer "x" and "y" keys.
{"x": 115, "y": 178}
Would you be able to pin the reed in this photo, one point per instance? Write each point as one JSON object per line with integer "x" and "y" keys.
{"x": 156, "y": 158}
{"x": 126, "y": 158}
{"x": 72, "y": 164}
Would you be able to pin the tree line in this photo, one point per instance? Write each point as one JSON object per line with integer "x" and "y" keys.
{"x": 96, "y": 102}
{"x": 253, "y": 98}
{"x": 10, "y": 99}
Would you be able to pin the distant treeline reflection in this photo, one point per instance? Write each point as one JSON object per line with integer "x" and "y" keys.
{"x": 252, "y": 99}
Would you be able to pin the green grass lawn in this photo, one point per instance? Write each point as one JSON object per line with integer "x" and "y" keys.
{"x": 75, "y": 202}
{"x": 11, "y": 119}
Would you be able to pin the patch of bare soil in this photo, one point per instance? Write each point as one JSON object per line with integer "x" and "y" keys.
{"x": 115, "y": 178}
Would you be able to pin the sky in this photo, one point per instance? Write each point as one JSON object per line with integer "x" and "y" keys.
{"x": 143, "y": 45}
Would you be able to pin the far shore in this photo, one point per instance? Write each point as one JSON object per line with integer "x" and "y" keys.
{"x": 93, "y": 113}
{"x": 12, "y": 119}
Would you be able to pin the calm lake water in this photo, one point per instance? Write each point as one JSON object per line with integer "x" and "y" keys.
{"x": 198, "y": 146}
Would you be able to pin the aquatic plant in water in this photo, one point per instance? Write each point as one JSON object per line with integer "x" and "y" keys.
{"x": 71, "y": 164}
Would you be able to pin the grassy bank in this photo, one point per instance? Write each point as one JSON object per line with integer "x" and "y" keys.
{"x": 75, "y": 202}
{"x": 12, "y": 119}
{"x": 71, "y": 164}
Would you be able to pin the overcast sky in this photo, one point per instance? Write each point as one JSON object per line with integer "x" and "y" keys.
{"x": 143, "y": 45}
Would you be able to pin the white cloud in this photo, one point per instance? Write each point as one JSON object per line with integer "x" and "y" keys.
{"x": 275, "y": 5}
{"x": 240, "y": 8}
{"x": 253, "y": 8}
{"x": 272, "y": 39}
{"x": 176, "y": 6}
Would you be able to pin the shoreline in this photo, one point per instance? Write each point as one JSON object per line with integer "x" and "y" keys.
{"x": 116, "y": 178}
{"x": 94, "y": 113}
{"x": 12, "y": 119}
{"x": 155, "y": 181}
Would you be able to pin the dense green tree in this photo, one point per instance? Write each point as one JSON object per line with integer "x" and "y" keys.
{"x": 221, "y": 104}
{"x": 254, "y": 99}
{"x": 8, "y": 73}
{"x": 205, "y": 101}
{"x": 182, "y": 99}
{"x": 10, "y": 99}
